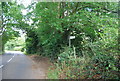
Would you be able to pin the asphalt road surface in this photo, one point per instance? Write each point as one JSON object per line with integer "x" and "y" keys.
{"x": 16, "y": 65}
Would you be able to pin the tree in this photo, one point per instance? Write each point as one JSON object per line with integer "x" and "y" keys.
{"x": 11, "y": 19}
{"x": 48, "y": 26}
{"x": 57, "y": 21}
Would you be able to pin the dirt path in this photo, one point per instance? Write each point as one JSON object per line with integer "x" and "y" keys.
{"x": 40, "y": 66}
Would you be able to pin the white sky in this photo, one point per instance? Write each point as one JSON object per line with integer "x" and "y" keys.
{"x": 24, "y": 12}
{"x": 24, "y": 2}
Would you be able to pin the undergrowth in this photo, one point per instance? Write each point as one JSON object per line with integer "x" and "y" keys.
{"x": 97, "y": 62}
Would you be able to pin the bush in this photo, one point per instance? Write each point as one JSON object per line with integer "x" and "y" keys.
{"x": 96, "y": 65}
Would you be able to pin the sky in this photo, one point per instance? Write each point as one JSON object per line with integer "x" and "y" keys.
{"x": 24, "y": 2}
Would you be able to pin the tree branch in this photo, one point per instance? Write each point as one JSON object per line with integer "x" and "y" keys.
{"x": 110, "y": 10}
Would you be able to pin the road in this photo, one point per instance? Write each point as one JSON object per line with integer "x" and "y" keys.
{"x": 16, "y": 65}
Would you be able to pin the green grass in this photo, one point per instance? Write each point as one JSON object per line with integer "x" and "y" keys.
{"x": 53, "y": 74}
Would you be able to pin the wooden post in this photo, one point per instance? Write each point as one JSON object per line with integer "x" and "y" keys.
{"x": 74, "y": 52}
{"x": 69, "y": 42}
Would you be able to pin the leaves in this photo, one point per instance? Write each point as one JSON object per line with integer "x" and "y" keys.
{"x": 48, "y": 26}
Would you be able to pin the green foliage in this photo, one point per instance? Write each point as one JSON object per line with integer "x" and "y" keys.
{"x": 16, "y": 44}
{"x": 11, "y": 16}
{"x": 31, "y": 42}
{"x": 53, "y": 74}
{"x": 95, "y": 27}
{"x": 99, "y": 66}
{"x": 56, "y": 21}
{"x": 94, "y": 51}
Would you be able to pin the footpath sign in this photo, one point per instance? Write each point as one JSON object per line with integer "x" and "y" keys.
{"x": 71, "y": 37}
